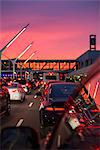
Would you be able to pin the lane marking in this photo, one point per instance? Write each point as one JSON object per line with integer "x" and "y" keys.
{"x": 59, "y": 140}
{"x": 30, "y": 105}
{"x": 19, "y": 122}
{"x": 35, "y": 96}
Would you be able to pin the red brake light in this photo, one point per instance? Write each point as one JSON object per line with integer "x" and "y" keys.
{"x": 50, "y": 73}
{"x": 54, "y": 109}
{"x": 46, "y": 92}
{"x": 15, "y": 91}
{"x": 27, "y": 84}
{"x": 9, "y": 84}
{"x": 44, "y": 83}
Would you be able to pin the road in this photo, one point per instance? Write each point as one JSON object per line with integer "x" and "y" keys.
{"x": 23, "y": 114}
{"x": 27, "y": 114}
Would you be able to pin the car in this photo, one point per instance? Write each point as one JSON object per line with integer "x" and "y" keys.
{"x": 79, "y": 126}
{"x": 5, "y": 105}
{"x": 25, "y": 85}
{"x": 48, "y": 77}
{"x": 16, "y": 92}
{"x": 53, "y": 99}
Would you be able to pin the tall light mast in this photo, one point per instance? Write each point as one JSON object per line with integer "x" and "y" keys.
{"x": 19, "y": 56}
{"x": 26, "y": 62}
{"x": 11, "y": 41}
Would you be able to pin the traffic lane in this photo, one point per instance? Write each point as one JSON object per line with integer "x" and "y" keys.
{"x": 16, "y": 111}
{"x": 32, "y": 115}
{"x": 24, "y": 114}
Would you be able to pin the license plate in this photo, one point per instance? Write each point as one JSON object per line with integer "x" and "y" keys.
{"x": 74, "y": 122}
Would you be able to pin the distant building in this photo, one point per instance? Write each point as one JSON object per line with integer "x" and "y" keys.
{"x": 88, "y": 58}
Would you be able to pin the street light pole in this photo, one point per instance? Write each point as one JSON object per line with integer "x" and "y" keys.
{"x": 9, "y": 43}
{"x": 21, "y": 54}
{"x": 26, "y": 62}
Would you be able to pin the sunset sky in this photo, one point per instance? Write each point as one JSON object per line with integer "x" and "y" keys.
{"x": 60, "y": 29}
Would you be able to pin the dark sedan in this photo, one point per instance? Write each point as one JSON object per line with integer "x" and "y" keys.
{"x": 53, "y": 100}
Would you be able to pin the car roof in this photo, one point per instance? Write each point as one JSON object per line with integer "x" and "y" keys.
{"x": 57, "y": 83}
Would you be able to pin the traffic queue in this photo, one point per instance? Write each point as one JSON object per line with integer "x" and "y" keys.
{"x": 68, "y": 114}
{"x": 12, "y": 90}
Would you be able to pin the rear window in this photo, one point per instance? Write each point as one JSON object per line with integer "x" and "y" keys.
{"x": 62, "y": 90}
{"x": 51, "y": 77}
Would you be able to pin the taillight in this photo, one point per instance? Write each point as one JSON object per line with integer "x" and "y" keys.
{"x": 2, "y": 93}
{"x": 44, "y": 83}
{"x": 54, "y": 109}
{"x": 46, "y": 92}
{"x": 27, "y": 84}
{"x": 15, "y": 91}
{"x": 9, "y": 84}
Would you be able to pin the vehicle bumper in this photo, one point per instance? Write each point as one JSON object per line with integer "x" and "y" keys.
{"x": 50, "y": 117}
{"x": 15, "y": 97}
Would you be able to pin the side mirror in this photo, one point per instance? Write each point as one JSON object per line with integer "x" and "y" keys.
{"x": 19, "y": 138}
